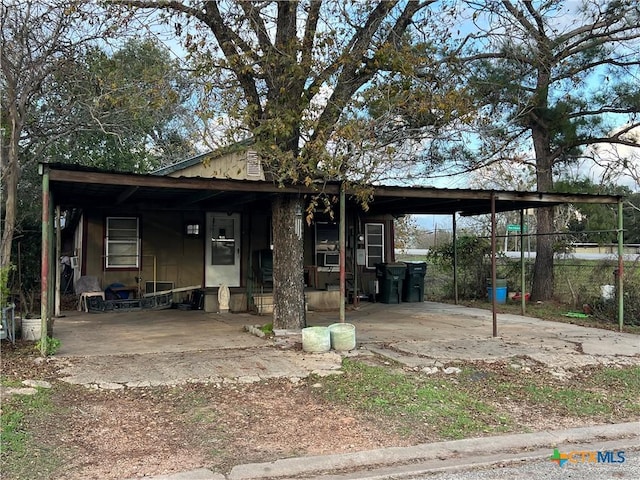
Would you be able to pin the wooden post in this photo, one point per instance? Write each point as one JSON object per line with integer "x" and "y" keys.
{"x": 56, "y": 260}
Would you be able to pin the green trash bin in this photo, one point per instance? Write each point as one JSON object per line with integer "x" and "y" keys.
{"x": 390, "y": 278}
{"x": 413, "y": 286}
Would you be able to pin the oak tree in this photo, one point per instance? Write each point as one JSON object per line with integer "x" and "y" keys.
{"x": 290, "y": 72}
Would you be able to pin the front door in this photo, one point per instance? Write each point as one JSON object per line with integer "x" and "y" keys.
{"x": 223, "y": 250}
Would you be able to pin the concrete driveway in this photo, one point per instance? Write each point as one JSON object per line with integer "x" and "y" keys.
{"x": 129, "y": 349}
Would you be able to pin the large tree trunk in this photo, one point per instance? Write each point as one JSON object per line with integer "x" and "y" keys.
{"x": 542, "y": 288}
{"x": 288, "y": 265}
{"x": 543, "y": 267}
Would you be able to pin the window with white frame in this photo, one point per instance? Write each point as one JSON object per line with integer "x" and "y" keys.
{"x": 374, "y": 243}
{"x": 122, "y": 243}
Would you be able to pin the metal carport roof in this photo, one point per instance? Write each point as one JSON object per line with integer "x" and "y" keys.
{"x": 76, "y": 186}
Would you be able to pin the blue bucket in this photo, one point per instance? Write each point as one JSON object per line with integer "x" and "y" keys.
{"x": 501, "y": 294}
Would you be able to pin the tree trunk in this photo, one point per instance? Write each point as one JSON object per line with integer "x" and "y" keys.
{"x": 288, "y": 266}
{"x": 542, "y": 288}
{"x": 543, "y": 267}
{"x": 10, "y": 177}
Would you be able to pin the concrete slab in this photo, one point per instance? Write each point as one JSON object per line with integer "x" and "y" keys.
{"x": 447, "y": 333}
{"x": 152, "y": 331}
{"x": 174, "y": 346}
{"x": 210, "y": 366}
{"x": 132, "y": 349}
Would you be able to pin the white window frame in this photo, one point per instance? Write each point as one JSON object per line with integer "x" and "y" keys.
{"x": 368, "y": 243}
{"x": 131, "y": 261}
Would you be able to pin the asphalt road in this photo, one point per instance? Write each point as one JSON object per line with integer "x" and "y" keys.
{"x": 544, "y": 469}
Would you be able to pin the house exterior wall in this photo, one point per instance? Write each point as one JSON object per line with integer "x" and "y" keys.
{"x": 169, "y": 255}
{"x": 358, "y": 277}
{"x": 230, "y": 166}
{"x": 164, "y": 249}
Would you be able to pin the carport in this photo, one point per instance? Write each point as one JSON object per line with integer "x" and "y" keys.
{"x": 466, "y": 202}
{"x": 68, "y": 186}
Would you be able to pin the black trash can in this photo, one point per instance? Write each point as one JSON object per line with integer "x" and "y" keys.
{"x": 390, "y": 278}
{"x": 413, "y": 286}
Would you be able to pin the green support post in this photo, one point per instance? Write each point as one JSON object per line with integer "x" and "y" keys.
{"x": 45, "y": 261}
{"x": 523, "y": 290}
{"x": 620, "y": 286}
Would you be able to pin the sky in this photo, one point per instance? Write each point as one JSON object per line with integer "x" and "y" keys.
{"x": 611, "y": 156}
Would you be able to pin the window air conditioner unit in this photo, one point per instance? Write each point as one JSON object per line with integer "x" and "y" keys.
{"x": 332, "y": 259}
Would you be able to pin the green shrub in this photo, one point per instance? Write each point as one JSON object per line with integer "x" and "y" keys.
{"x": 53, "y": 344}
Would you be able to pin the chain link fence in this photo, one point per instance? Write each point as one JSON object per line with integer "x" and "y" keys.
{"x": 583, "y": 285}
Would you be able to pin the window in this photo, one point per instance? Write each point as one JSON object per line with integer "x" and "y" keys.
{"x": 327, "y": 246}
{"x": 192, "y": 230}
{"x": 122, "y": 243}
{"x": 223, "y": 242}
{"x": 374, "y": 243}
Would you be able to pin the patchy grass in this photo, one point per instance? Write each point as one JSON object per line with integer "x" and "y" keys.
{"x": 21, "y": 455}
{"x": 267, "y": 328}
{"x": 485, "y": 399}
{"x": 412, "y": 400}
{"x": 553, "y": 311}
{"x": 9, "y": 382}
{"x": 574, "y": 401}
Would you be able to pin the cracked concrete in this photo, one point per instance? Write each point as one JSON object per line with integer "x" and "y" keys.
{"x": 170, "y": 347}
{"x": 211, "y": 366}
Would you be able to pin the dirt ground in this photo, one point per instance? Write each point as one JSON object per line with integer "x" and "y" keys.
{"x": 124, "y": 431}
{"x": 137, "y": 432}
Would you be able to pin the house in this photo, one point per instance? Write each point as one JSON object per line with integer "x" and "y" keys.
{"x": 206, "y": 222}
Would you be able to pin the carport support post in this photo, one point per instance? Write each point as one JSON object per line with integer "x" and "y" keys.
{"x": 52, "y": 267}
{"x": 494, "y": 289}
{"x": 620, "y": 282}
{"x": 523, "y": 300}
{"x": 455, "y": 260}
{"x": 342, "y": 240}
{"x": 44, "y": 265}
{"x": 57, "y": 269}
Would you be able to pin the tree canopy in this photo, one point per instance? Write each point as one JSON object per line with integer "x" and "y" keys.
{"x": 69, "y": 96}
{"x": 295, "y": 72}
{"x": 128, "y": 108}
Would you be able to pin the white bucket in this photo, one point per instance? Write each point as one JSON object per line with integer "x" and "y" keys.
{"x": 31, "y": 329}
{"x": 316, "y": 339}
{"x": 343, "y": 336}
{"x": 608, "y": 292}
